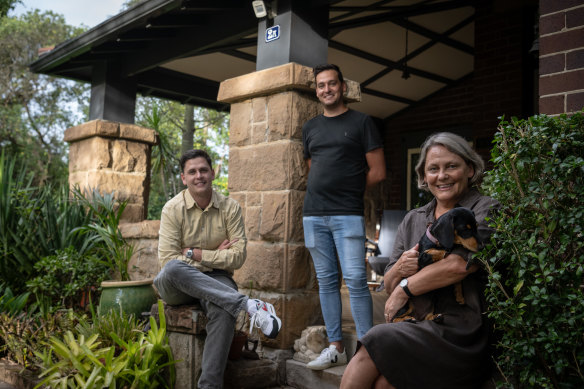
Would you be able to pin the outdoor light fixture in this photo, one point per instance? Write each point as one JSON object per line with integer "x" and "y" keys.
{"x": 259, "y": 8}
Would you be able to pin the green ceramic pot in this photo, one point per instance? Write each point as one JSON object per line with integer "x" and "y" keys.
{"x": 132, "y": 297}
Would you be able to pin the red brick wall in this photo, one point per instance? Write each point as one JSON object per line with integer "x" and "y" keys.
{"x": 561, "y": 56}
{"x": 499, "y": 85}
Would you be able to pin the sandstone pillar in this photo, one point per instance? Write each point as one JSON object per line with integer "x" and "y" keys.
{"x": 115, "y": 157}
{"x": 267, "y": 176}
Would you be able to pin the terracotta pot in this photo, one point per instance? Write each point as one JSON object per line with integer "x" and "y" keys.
{"x": 132, "y": 297}
{"x": 239, "y": 340}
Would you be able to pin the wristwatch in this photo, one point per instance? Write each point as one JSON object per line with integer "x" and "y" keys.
{"x": 404, "y": 285}
{"x": 189, "y": 253}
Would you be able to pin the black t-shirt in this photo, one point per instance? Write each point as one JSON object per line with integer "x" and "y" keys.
{"x": 337, "y": 147}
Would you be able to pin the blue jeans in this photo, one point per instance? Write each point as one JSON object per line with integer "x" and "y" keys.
{"x": 324, "y": 237}
{"x": 180, "y": 283}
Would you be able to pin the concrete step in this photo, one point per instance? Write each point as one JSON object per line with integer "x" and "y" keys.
{"x": 300, "y": 377}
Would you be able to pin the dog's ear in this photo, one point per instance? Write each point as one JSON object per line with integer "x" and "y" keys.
{"x": 443, "y": 230}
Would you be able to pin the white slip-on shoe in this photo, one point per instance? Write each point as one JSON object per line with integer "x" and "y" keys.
{"x": 329, "y": 357}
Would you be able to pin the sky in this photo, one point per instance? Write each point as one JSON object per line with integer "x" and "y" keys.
{"x": 76, "y": 12}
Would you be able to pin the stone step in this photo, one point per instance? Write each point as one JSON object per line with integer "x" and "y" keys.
{"x": 300, "y": 377}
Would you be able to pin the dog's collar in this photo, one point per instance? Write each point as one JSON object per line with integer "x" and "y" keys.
{"x": 431, "y": 237}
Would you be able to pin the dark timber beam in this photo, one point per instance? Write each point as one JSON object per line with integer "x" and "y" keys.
{"x": 112, "y": 97}
{"x": 388, "y": 96}
{"x": 415, "y": 10}
{"x": 192, "y": 41}
{"x": 442, "y": 38}
{"x": 170, "y": 81}
{"x": 241, "y": 55}
{"x": 350, "y": 11}
{"x": 303, "y": 35}
{"x": 418, "y": 51}
{"x": 387, "y": 62}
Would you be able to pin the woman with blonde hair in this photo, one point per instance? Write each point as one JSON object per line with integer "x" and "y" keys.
{"x": 447, "y": 353}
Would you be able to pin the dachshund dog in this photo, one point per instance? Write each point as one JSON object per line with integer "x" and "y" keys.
{"x": 456, "y": 227}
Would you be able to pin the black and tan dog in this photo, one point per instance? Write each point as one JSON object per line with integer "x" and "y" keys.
{"x": 456, "y": 227}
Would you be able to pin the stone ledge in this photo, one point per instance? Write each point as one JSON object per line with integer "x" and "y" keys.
{"x": 110, "y": 129}
{"x": 188, "y": 319}
{"x": 249, "y": 374}
{"x": 15, "y": 376}
{"x": 147, "y": 229}
{"x": 290, "y": 76}
{"x": 301, "y": 377}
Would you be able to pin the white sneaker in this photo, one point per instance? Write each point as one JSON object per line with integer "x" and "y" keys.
{"x": 329, "y": 357}
{"x": 264, "y": 318}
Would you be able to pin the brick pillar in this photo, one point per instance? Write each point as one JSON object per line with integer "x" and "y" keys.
{"x": 267, "y": 176}
{"x": 561, "y": 56}
{"x": 113, "y": 156}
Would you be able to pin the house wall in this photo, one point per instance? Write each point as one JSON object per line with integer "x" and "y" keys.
{"x": 561, "y": 62}
{"x": 502, "y": 84}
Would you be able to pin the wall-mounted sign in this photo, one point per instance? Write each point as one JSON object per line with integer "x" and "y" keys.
{"x": 272, "y": 33}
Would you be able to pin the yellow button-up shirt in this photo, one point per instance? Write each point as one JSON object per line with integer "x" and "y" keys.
{"x": 184, "y": 224}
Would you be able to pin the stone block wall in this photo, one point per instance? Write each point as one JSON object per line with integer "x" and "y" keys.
{"x": 144, "y": 236}
{"x": 561, "y": 60}
{"x": 267, "y": 176}
{"x": 115, "y": 157}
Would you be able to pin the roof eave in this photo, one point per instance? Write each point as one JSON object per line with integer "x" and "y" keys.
{"x": 101, "y": 33}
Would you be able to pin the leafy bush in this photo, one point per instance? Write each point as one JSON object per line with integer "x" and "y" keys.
{"x": 79, "y": 361}
{"x": 126, "y": 327}
{"x": 536, "y": 261}
{"x": 34, "y": 223}
{"x": 104, "y": 232}
{"x": 64, "y": 277}
{"x": 11, "y": 304}
{"x": 38, "y": 222}
{"x": 23, "y": 334}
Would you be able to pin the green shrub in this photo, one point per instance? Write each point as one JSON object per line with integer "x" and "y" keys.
{"x": 536, "y": 261}
{"x": 77, "y": 360}
{"x": 23, "y": 334}
{"x": 34, "y": 222}
{"x": 63, "y": 278}
{"x": 11, "y": 304}
{"x": 104, "y": 233}
{"x": 126, "y": 327}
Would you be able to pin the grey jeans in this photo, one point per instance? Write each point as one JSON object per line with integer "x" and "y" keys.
{"x": 180, "y": 283}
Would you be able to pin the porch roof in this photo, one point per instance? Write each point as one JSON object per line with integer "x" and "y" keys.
{"x": 182, "y": 49}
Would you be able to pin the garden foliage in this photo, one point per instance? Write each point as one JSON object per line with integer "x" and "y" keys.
{"x": 24, "y": 333}
{"x": 536, "y": 262}
{"x": 103, "y": 232}
{"x": 76, "y": 360}
{"x": 66, "y": 278}
{"x": 34, "y": 222}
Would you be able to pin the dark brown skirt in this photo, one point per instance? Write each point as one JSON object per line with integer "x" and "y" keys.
{"x": 425, "y": 354}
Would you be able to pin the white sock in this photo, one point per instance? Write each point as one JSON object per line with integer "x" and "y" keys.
{"x": 252, "y": 306}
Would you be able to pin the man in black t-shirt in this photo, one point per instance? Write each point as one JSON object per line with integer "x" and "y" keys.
{"x": 344, "y": 152}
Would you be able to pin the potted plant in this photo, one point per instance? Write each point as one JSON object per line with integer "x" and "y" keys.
{"x": 131, "y": 296}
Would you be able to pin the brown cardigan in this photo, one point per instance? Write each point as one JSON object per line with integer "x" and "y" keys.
{"x": 426, "y": 354}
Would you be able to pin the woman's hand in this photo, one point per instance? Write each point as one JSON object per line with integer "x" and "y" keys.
{"x": 396, "y": 300}
{"x": 407, "y": 264}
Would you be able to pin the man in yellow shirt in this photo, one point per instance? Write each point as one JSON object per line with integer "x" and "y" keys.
{"x": 201, "y": 242}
